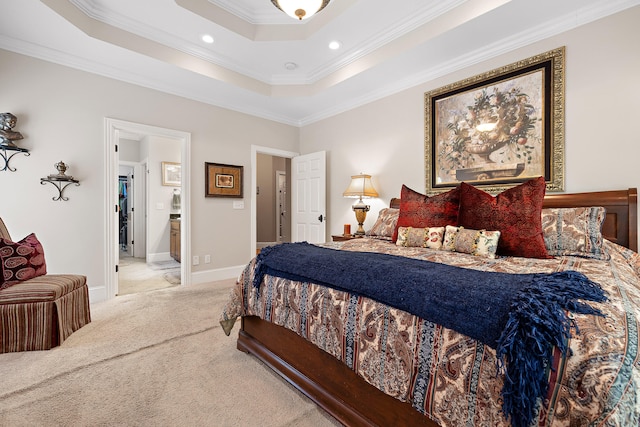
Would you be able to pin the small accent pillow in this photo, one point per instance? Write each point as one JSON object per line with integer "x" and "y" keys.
{"x": 475, "y": 242}
{"x": 575, "y": 231}
{"x": 420, "y": 237}
{"x": 420, "y": 211}
{"x": 516, "y": 213}
{"x": 385, "y": 225}
{"x": 21, "y": 260}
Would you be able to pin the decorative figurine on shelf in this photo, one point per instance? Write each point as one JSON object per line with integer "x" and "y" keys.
{"x": 62, "y": 168}
{"x": 60, "y": 180}
{"x": 7, "y": 134}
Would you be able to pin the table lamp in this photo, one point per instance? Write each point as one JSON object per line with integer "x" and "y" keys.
{"x": 360, "y": 187}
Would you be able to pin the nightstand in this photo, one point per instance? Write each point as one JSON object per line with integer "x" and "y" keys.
{"x": 342, "y": 237}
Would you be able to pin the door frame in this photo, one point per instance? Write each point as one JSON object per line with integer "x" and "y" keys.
{"x": 114, "y": 129}
{"x": 255, "y": 149}
{"x": 278, "y": 206}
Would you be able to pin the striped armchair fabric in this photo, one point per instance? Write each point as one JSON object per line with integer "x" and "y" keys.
{"x": 40, "y": 313}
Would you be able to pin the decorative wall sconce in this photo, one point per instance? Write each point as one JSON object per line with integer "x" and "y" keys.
{"x": 60, "y": 180}
{"x": 7, "y": 136}
{"x": 7, "y": 157}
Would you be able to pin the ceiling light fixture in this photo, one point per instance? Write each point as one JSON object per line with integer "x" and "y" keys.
{"x": 300, "y": 9}
{"x": 207, "y": 38}
{"x": 335, "y": 45}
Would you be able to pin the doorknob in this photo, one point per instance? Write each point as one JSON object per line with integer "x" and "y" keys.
{"x": 320, "y": 218}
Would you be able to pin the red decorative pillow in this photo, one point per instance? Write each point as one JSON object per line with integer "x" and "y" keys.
{"x": 516, "y": 213}
{"x": 21, "y": 260}
{"x": 420, "y": 211}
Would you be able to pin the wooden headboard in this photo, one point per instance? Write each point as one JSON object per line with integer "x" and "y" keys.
{"x": 621, "y": 223}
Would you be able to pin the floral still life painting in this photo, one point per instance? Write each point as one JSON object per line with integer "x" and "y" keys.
{"x": 493, "y": 132}
{"x": 499, "y": 128}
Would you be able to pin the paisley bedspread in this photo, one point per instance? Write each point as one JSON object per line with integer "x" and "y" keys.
{"x": 447, "y": 376}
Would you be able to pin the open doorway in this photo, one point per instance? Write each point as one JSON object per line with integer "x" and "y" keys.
{"x": 265, "y": 164}
{"x": 306, "y": 199}
{"x": 273, "y": 198}
{"x": 150, "y": 202}
{"x": 147, "y": 213}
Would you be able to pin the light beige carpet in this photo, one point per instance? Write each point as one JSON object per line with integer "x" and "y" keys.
{"x": 157, "y": 358}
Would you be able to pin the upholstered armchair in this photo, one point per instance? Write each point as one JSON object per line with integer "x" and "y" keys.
{"x": 37, "y": 313}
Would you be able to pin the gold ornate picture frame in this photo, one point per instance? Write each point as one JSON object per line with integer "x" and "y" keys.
{"x": 498, "y": 129}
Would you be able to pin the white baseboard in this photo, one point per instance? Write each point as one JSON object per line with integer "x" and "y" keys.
{"x": 217, "y": 274}
{"x": 159, "y": 257}
{"x": 99, "y": 293}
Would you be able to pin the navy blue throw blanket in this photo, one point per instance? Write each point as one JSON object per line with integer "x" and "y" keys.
{"x": 522, "y": 316}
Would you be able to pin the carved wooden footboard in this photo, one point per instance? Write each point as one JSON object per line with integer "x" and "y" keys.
{"x": 323, "y": 378}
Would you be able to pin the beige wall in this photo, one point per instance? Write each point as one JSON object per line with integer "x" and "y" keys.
{"x": 602, "y": 148}
{"x": 61, "y": 114}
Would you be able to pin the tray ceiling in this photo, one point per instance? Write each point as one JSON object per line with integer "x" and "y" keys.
{"x": 264, "y": 63}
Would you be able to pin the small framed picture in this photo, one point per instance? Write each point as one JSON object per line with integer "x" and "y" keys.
{"x": 171, "y": 174}
{"x": 223, "y": 180}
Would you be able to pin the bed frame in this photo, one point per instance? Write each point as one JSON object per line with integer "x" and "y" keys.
{"x": 348, "y": 398}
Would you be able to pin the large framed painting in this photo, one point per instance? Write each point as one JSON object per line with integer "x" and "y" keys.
{"x": 223, "y": 180}
{"x": 498, "y": 129}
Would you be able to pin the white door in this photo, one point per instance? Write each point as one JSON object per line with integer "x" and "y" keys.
{"x": 308, "y": 198}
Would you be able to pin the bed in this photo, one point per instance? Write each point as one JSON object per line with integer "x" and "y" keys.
{"x": 449, "y": 379}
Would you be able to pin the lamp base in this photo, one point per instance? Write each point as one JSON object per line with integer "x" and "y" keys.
{"x": 361, "y": 215}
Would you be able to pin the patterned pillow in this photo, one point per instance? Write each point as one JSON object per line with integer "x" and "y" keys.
{"x": 385, "y": 225}
{"x": 475, "y": 242}
{"x": 21, "y": 260}
{"x": 420, "y": 211}
{"x": 516, "y": 213}
{"x": 575, "y": 231}
{"x": 420, "y": 237}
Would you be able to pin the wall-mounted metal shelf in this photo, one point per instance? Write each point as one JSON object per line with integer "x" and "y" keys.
{"x": 60, "y": 181}
{"x": 7, "y": 157}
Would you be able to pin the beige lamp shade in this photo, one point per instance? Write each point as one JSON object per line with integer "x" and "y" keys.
{"x": 360, "y": 187}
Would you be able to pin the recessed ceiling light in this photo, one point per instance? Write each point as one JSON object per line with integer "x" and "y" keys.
{"x": 290, "y": 66}
{"x": 335, "y": 45}
{"x": 207, "y": 38}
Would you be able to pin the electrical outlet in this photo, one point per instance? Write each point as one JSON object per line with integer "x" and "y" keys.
{"x": 207, "y": 259}
{"x": 196, "y": 260}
